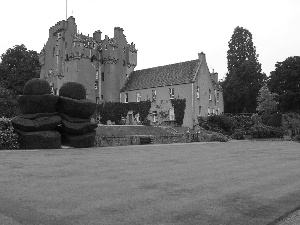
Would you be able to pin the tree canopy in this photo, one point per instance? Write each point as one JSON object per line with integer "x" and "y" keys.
{"x": 285, "y": 81}
{"x": 244, "y": 77}
{"x": 266, "y": 102}
{"x": 17, "y": 66}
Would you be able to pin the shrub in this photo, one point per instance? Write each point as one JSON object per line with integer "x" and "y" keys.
{"x": 297, "y": 138}
{"x": 239, "y": 134}
{"x": 37, "y": 86}
{"x": 218, "y": 137}
{"x": 263, "y": 131}
{"x": 73, "y": 90}
{"x": 179, "y": 108}
{"x": 8, "y": 137}
{"x": 275, "y": 120}
{"x": 32, "y": 104}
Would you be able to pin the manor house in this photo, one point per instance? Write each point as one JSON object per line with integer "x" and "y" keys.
{"x": 106, "y": 68}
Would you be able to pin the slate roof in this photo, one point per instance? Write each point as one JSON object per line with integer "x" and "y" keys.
{"x": 179, "y": 73}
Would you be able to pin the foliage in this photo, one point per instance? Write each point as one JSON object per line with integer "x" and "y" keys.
{"x": 163, "y": 111}
{"x": 37, "y": 86}
{"x": 18, "y": 65}
{"x": 218, "y": 137}
{"x": 179, "y": 108}
{"x": 8, "y": 103}
{"x": 114, "y": 111}
{"x": 291, "y": 121}
{"x": 239, "y": 134}
{"x": 285, "y": 81}
{"x": 8, "y": 137}
{"x": 263, "y": 131}
{"x": 73, "y": 90}
{"x": 266, "y": 103}
{"x": 275, "y": 120}
{"x": 244, "y": 77}
{"x": 297, "y": 138}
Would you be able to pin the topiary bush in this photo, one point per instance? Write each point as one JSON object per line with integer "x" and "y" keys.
{"x": 8, "y": 137}
{"x": 37, "y": 86}
{"x": 73, "y": 90}
{"x": 32, "y": 104}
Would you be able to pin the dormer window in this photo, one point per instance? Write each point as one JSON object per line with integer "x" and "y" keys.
{"x": 153, "y": 95}
{"x": 171, "y": 90}
{"x": 138, "y": 97}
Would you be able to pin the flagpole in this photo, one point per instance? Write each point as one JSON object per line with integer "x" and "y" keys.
{"x": 66, "y": 9}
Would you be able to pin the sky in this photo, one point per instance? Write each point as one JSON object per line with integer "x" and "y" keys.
{"x": 164, "y": 31}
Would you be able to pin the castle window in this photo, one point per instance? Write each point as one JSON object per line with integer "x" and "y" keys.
{"x": 171, "y": 93}
{"x": 198, "y": 92}
{"x": 126, "y": 98}
{"x": 67, "y": 57}
{"x": 199, "y": 113}
{"x": 208, "y": 111}
{"x": 217, "y": 112}
{"x": 124, "y": 49}
{"x": 97, "y": 75}
{"x": 54, "y": 52}
{"x": 138, "y": 97}
{"x": 153, "y": 95}
{"x": 96, "y": 84}
{"x": 102, "y": 76}
{"x": 123, "y": 62}
{"x": 171, "y": 114}
{"x": 105, "y": 47}
{"x": 154, "y": 115}
{"x": 217, "y": 97}
{"x": 101, "y": 97}
{"x": 209, "y": 94}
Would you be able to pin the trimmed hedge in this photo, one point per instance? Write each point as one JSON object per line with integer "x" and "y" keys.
{"x": 8, "y": 136}
{"x": 82, "y": 141}
{"x": 39, "y": 140}
{"x": 32, "y": 104}
{"x": 39, "y": 124}
{"x": 73, "y": 119}
{"x": 37, "y": 86}
{"x": 73, "y": 90}
{"x": 78, "y": 128}
{"x": 275, "y": 120}
{"x": 82, "y": 109}
{"x": 37, "y": 115}
{"x": 263, "y": 131}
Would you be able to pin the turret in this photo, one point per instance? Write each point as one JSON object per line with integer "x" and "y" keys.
{"x": 97, "y": 36}
{"x": 131, "y": 55}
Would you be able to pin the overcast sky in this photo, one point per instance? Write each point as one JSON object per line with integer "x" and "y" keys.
{"x": 164, "y": 31}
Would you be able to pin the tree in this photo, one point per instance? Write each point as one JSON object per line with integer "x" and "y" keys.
{"x": 266, "y": 103}
{"x": 8, "y": 103}
{"x": 17, "y": 66}
{"x": 285, "y": 81}
{"x": 244, "y": 77}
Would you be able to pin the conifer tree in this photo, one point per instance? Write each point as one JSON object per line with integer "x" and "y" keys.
{"x": 244, "y": 77}
{"x": 266, "y": 102}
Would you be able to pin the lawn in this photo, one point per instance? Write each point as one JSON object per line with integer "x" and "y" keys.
{"x": 246, "y": 182}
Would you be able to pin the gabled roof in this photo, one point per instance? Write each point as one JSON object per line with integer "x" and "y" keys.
{"x": 174, "y": 74}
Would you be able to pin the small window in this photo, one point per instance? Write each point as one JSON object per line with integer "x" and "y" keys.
{"x": 105, "y": 47}
{"x": 101, "y": 97}
{"x": 102, "y": 76}
{"x": 97, "y": 75}
{"x": 96, "y": 84}
{"x": 54, "y": 52}
{"x": 199, "y": 111}
{"x": 209, "y": 94}
{"x": 213, "y": 111}
{"x": 208, "y": 111}
{"x": 217, "y": 112}
{"x": 138, "y": 97}
{"x": 171, "y": 93}
{"x": 154, "y": 116}
{"x": 217, "y": 97}
{"x": 124, "y": 49}
{"x": 198, "y": 92}
{"x": 124, "y": 63}
{"x": 171, "y": 114}
{"x": 137, "y": 117}
{"x": 153, "y": 95}
{"x": 126, "y": 98}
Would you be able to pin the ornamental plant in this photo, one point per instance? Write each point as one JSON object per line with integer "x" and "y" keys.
{"x": 8, "y": 137}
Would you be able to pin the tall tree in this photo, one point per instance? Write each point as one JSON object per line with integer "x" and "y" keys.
{"x": 17, "y": 66}
{"x": 285, "y": 81}
{"x": 244, "y": 77}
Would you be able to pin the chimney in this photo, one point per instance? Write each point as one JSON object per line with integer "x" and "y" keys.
{"x": 201, "y": 56}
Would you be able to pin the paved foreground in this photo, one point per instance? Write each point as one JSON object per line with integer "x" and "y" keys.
{"x": 247, "y": 182}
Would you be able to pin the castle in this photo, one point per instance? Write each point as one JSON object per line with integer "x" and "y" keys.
{"x": 102, "y": 66}
{"x": 106, "y": 68}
